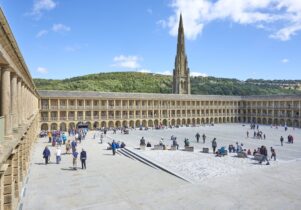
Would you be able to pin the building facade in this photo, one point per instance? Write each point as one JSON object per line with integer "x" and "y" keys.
{"x": 19, "y": 117}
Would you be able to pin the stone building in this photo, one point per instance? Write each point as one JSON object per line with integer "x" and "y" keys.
{"x": 24, "y": 110}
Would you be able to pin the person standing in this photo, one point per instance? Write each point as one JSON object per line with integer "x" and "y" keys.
{"x": 214, "y": 145}
{"x": 197, "y": 136}
{"x": 68, "y": 146}
{"x": 75, "y": 154}
{"x": 49, "y": 136}
{"x": 73, "y": 146}
{"x": 247, "y": 134}
{"x": 281, "y": 140}
{"x": 46, "y": 155}
{"x": 83, "y": 158}
{"x": 58, "y": 155}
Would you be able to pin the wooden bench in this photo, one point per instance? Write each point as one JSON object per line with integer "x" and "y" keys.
{"x": 142, "y": 147}
{"x": 205, "y": 150}
{"x": 158, "y": 147}
{"x": 173, "y": 147}
{"x": 189, "y": 149}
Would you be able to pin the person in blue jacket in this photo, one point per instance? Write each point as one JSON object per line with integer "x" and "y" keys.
{"x": 114, "y": 147}
{"x": 46, "y": 155}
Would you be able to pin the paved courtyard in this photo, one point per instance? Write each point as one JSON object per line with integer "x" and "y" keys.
{"x": 118, "y": 182}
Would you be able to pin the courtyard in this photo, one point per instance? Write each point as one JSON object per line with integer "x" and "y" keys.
{"x": 119, "y": 182}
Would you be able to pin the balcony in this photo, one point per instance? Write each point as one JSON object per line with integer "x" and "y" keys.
{"x": 80, "y": 118}
{"x": 63, "y": 107}
{"x": 45, "y": 107}
{"x": 80, "y": 107}
{"x": 103, "y": 117}
{"x": 96, "y": 117}
{"x": 88, "y": 107}
{"x": 53, "y": 118}
{"x": 88, "y": 118}
{"x": 63, "y": 118}
{"x": 71, "y": 118}
{"x": 44, "y": 119}
{"x": 53, "y": 107}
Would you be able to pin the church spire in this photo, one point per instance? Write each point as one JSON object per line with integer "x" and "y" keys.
{"x": 181, "y": 78}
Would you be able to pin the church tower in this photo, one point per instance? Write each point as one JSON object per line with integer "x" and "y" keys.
{"x": 181, "y": 78}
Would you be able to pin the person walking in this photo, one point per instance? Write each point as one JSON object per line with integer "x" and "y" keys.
{"x": 204, "y": 138}
{"x": 197, "y": 136}
{"x": 46, "y": 155}
{"x": 83, "y": 158}
{"x": 58, "y": 155}
{"x": 264, "y": 153}
{"x": 68, "y": 146}
{"x": 73, "y": 146}
{"x": 74, "y": 161}
{"x": 273, "y": 153}
{"x": 49, "y": 136}
{"x": 281, "y": 140}
{"x": 247, "y": 134}
{"x": 214, "y": 145}
{"x": 114, "y": 146}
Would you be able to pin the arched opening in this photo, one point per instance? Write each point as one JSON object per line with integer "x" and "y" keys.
{"x": 125, "y": 123}
{"x": 215, "y": 120}
{"x": 275, "y": 122}
{"x": 296, "y": 123}
{"x": 89, "y": 124}
{"x": 53, "y": 126}
{"x": 264, "y": 121}
{"x": 178, "y": 121}
{"x": 289, "y": 123}
{"x": 164, "y": 122}
{"x": 156, "y": 122}
{"x": 63, "y": 127}
{"x": 193, "y": 121}
{"x": 198, "y": 121}
{"x": 132, "y": 124}
{"x": 202, "y": 120}
{"x": 173, "y": 122}
{"x": 282, "y": 122}
{"x": 150, "y": 123}
{"x": 44, "y": 127}
{"x": 207, "y": 120}
{"x": 183, "y": 122}
{"x": 270, "y": 121}
{"x": 138, "y": 124}
{"x": 259, "y": 121}
{"x": 117, "y": 124}
{"x": 103, "y": 124}
{"x": 188, "y": 121}
{"x": 144, "y": 123}
{"x": 111, "y": 124}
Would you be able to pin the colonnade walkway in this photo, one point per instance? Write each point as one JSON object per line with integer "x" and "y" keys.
{"x": 117, "y": 182}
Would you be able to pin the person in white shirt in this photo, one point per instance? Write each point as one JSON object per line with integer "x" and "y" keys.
{"x": 58, "y": 155}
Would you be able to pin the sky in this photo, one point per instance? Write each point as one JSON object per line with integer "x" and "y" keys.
{"x": 259, "y": 39}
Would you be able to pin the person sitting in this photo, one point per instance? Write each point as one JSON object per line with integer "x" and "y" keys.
{"x": 221, "y": 152}
{"x": 148, "y": 144}
{"x": 254, "y": 152}
{"x": 122, "y": 145}
{"x": 186, "y": 142}
{"x": 161, "y": 143}
{"x": 142, "y": 141}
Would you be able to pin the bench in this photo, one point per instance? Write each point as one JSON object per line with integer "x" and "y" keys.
{"x": 189, "y": 149}
{"x": 258, "y": 157}
{"x": 205, "y": 150}
{"x": 158, "y": 147}
{"x": 142, "y": 147}
{"x": 173, "y": 147}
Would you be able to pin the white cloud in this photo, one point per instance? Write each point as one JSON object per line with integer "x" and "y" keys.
{"x": 284, "y": 60}
{"x": 165, "y": 73}
{"x": 41, "y": 33}
{"x": 144, "y": 71}
{"x": 42, "y": 70}
{"x": 131, "y": 62}
{"x": 60, "y": 28}
{"x": 284, "y": 16}
{"x": 42, "y": 5}
{"x": 198, "y": 74}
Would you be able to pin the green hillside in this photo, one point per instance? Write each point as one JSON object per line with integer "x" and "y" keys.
{"x": 157, "y": 83}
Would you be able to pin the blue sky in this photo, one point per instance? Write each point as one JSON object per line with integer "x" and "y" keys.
{"x": 225, "y": 38}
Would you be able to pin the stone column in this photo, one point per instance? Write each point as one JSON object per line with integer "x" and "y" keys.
{"x": 14, "y": 96}
{"x": 19, "y": 100}
{"x": 6, "y": 100}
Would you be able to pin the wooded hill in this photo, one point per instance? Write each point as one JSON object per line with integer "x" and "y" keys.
{"x": 157, "y": 83}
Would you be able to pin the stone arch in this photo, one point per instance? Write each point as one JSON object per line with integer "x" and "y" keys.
{"x": 198, "y": 121}
{"x": 63, "y": 126}
{"x": 202, "y": 120}
{"x": 276, "y": 122}
{"x": 144, "y": 123}
{"x": 224, "y": 120}
{"x": 125, "y": 123}
{"x": 183, "y": 122}
{"x": 96, "y": 125}
{"x": 156, "y": 122}
{"x": 232, "y": 120}
{"x": 118, "y": 124}
{"x": 215, "y": 120}
{"x": 132, "y": 124}
{"x": 178, "y": 121}
{"x": 150, "y": 123}
{"x": 207, "y": 120}
{"x": 111, "y": 124}
{"x": 264, "y": 121}
{"x": 220, "y": 120}
{"x": 270, "y": 121}
{"x": 289, "y": 123}
{"x": 296, "y": 123}
{"x": 164, "y": 122}
{"x": 53, "y": 126}
{"x": 188, "y": 121}
{"x": 282, "y": 122}
{"x": 259, "y": 120}
{"x": 71, "y": 125}
{"x": 193, "y": 121}
{"x": 44, "y": 127}
{"x": 173, "y": 122}
{"x": 138, "y": 123}
{"x": 103, "y": 124}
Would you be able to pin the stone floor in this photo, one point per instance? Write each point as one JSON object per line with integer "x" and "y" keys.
{"x": 117, "y": 182}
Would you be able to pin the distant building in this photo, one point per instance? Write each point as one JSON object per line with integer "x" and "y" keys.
{"x": 181, "y": 77}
